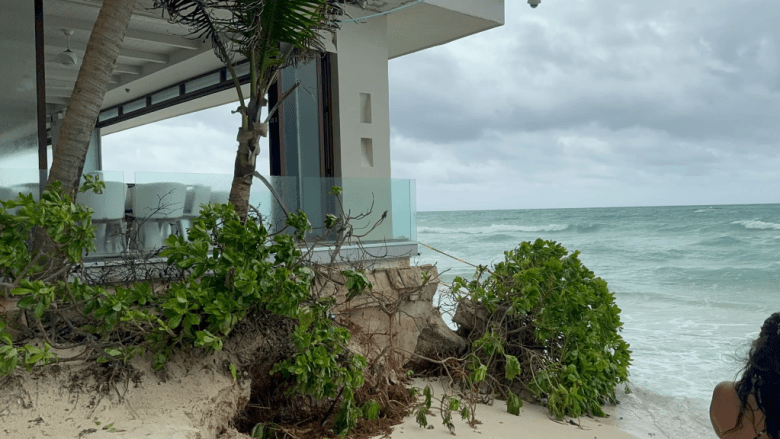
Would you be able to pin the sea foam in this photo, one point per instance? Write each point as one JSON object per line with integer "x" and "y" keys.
{"x": 644, "y": 413}
{"x": 493, "y": 228}
{"x": 757, "y": 225}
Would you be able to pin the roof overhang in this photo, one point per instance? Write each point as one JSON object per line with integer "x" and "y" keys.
{"x": 436, "y": 22}
{"x": 157, "y": 54}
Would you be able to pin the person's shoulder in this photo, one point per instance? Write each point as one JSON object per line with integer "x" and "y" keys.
{"x": 725, "y": 394}
{"x": 725, "y": 388}
{"x": 724, "y": 408}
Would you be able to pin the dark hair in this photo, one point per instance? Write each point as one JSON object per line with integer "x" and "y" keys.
{"x": 761, "y": 376}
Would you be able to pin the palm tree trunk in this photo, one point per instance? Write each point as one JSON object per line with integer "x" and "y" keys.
{"x": 243, "y": 169}
{"x": 248, "y": 148}
{"x": 88, "y": 93}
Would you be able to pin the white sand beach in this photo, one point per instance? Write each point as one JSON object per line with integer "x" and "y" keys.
{"x": 533, "y": 422}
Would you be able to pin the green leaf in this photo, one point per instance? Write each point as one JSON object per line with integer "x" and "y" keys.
{"x": 513, "y": 404}
{"x": 27, "y": 302}
{"x": 480, "y": 374}
{"x": 512, "y": 367}
{"x": 34, "y": 358}
{"x": 258, "y": 431}
{"x": 331, "y": 220}
{"x": 192, "y": 319}
{"x": 174, "y": 321}
{"x": 371, "y": 410}
{"x": 305, "y": 319}
{"x": 428, "y": 393}
{"x": 39, "y": 309}
{"x": 421, "y": 419}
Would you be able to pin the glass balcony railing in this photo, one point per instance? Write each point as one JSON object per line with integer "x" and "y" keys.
{"x": 366, "y": 200}
{"x": 14, "y": 181}
{"x": 138, "y": 216}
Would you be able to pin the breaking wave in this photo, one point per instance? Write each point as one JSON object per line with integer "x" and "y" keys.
{"x": 493, "y": 229}
{"x": 757, "y": 225}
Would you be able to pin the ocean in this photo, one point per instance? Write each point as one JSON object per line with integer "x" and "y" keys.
{"x": 694, "y": 284}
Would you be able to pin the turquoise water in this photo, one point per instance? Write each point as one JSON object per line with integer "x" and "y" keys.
{"x": 694, "y": 284}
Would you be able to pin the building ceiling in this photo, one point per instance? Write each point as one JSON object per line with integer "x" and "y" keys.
{"x": 156, "y": 54}
{"x": 151, "y": 51}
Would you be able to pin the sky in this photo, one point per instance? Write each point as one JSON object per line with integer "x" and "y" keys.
{"x": 577, "y": 103}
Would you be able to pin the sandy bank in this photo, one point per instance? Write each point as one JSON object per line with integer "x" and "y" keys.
{"x": 196, "y": 400}
{"x": 193, "y": 399}
{"x": 533, "y": 422}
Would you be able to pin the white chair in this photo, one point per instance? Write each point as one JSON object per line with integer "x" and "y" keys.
{"x": 156, "y": 206}
{"x": 108, "y": 216}
{"x": 196, "y": 196}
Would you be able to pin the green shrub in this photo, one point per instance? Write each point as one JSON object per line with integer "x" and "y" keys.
{"x": 552, "y": 329}
{"x": 68, "y": 225}
{"x": 232, "y": 268}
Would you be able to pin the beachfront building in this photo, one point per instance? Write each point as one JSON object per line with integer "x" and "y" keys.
{"x": 334, "y": 130}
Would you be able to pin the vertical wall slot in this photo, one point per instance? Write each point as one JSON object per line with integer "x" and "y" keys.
{"x": 367, "y": 153}
{"x": 365, "y": 107}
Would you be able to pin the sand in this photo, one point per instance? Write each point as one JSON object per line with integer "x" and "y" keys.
{"x": 193, "y": 399}
{"x": 196, "y": 399}
{"x": 533, "y": 422}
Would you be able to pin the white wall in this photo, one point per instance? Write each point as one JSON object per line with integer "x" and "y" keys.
{"x": 361, "y": 67}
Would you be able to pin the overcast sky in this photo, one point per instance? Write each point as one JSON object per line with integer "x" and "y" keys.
{"x": 577, "y": 103}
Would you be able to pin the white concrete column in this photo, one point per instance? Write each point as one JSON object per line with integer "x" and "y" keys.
{"x": 362, "y": 122}
{"x": 362, "y": 128}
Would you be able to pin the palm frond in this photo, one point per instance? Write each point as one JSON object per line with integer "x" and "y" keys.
{"x": 297, "y": 23}
{"x": 205, "y": 20}
{"x": 259, "y": 29}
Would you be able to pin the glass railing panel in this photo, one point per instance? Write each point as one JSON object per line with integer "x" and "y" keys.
{"x": 161, "y": 201}
{"x": 413, "y": 208}
{"x": 108, "y": 175}
{"x": 14, "y": 181}
{"x": 285, "y": 197}
{"x": 108, "y": 214}
{"x": 164, "y": 203}
{"x": 403, "y": 210}
{"x": 380, "y": 209}
{"x": 218, "y": 186}
{"x": 158, "y": 204}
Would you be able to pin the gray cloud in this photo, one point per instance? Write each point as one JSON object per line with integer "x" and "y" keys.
{"x": 621, "y": 67}
{"x": 668, "y": 98}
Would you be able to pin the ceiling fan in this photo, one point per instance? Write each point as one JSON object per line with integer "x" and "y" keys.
{"x": 67, "y": 57}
